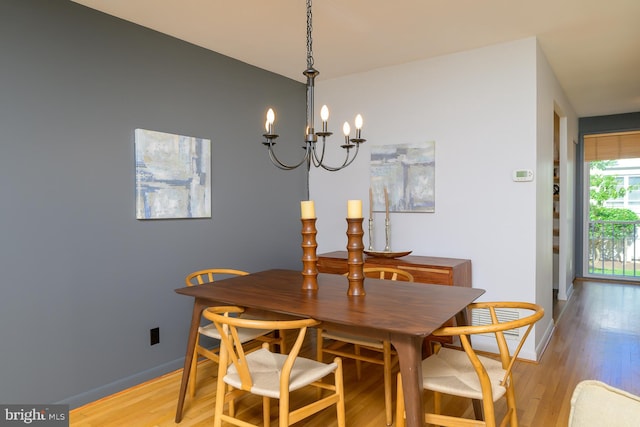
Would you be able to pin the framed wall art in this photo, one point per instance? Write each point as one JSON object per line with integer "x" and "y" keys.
{"x": 173, "y": 175}
{"x": 407, "y": 172}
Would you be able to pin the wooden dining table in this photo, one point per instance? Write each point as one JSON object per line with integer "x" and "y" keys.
{"x": 403, "y": 313}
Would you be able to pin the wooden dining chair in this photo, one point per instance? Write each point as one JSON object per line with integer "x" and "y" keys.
{"x": 467, "y": 374}
{"x": 251, "y": 337}
{"x": 351, "y": 346}
{"x": 270, "y": 375}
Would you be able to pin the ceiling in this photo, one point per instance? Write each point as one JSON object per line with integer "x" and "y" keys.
{"x": 593, "y": 46}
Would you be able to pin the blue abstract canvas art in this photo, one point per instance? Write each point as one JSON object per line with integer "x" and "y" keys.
{"x": 173, "y": 176}
{"x": 407, "y": 172}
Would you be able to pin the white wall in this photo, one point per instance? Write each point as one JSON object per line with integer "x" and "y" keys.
{"x": 551, "y": 98}
{"x": 480, "y": 109}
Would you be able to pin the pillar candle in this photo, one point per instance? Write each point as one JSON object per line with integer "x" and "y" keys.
{"x": 354, "y": 209}
{"x": 307, "y": 209}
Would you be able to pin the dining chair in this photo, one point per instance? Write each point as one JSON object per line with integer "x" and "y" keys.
{"x": 467, "y": 374}
{"x": 270, "y": 375}
{"x": 384, "y": 355}
{"x": 251, "y": 337}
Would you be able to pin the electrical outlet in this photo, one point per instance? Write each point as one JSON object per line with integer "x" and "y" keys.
{"x": 155, "y": 336}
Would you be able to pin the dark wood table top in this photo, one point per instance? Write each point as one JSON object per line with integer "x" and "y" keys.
{"x": 388, "y": 307}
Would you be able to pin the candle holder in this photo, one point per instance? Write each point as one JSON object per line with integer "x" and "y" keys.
{"x": 387, "y": 235}
{"x": 309, "y": 257}
{"x": 370, "y": 234}
{"x": 355, "y": 257}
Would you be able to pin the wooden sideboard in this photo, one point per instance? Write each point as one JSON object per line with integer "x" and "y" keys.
{"x": 425, "y": 269}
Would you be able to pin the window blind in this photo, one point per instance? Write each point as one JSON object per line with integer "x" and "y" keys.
{"x": 612, "y": 146}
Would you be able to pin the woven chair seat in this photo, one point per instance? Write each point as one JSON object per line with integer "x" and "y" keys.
{"x": 266, "y": 367}
{"x": 450, "y": 372}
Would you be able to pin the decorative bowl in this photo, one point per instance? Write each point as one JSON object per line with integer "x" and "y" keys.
{"x": 387, "y": 254}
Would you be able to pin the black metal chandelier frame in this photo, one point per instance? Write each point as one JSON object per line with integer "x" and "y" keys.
{"x": 313, "y": 155}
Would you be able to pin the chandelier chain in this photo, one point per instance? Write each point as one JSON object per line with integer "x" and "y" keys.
{"x": 309, "y": 39}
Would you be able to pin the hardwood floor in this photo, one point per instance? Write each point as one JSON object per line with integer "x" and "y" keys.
{"x": 597, "y": 336}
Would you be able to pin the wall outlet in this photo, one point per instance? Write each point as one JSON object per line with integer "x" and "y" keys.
{"x": 155, "y": 336}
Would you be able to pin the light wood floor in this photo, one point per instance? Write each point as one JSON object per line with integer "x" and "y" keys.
{"x": 597, "y": 337}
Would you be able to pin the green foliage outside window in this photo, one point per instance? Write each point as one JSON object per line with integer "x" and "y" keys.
{"x": 610, "y": 228}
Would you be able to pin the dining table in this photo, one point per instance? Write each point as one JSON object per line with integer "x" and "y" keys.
{"x": 403, "y": 313}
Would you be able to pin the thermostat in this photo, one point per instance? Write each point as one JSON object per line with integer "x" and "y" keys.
{"x": 520, "y": 175}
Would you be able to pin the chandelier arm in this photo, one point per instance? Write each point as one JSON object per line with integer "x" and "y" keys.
{"x": 346, "y": 163}
{"x": 317, "y": 161}
{"x": 276, "y": 162}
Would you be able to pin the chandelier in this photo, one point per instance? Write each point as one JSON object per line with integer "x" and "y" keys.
{"x": 314, "y": 154}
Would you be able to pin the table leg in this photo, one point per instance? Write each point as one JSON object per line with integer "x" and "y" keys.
{"x": 198, "y": 308}
{"x": 409, "y": 349}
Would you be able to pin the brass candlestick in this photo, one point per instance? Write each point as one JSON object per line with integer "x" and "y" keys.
{"x": 309, "y": 257}
{"x": 387, "y": 235}
{"x": 371, "y": 234}
{"x": 355, "y": 256}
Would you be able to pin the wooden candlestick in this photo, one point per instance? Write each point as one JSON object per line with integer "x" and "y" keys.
{"x": 355, "y": 257}
{"x": 309, "y": 257}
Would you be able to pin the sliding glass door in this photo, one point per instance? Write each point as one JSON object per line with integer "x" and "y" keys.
{"x": 612, "y": 232}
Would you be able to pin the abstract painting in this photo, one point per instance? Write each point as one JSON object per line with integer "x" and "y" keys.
{"x": 173, "y": 176}
{"x": 407, "y": 171}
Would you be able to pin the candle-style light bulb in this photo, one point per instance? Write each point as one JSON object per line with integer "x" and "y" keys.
{"x": 346, "y": 129}
{"x": 324, "y": 115}
{"x": 358, "y": 125}
{"x": 266, "y": 126}
{"x": 271, "y": 116}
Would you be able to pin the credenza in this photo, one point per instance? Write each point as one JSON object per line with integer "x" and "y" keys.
{"x": 425, "y": 269}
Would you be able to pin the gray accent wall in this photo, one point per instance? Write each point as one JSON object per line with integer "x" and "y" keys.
{"x": 81, "y": 280}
